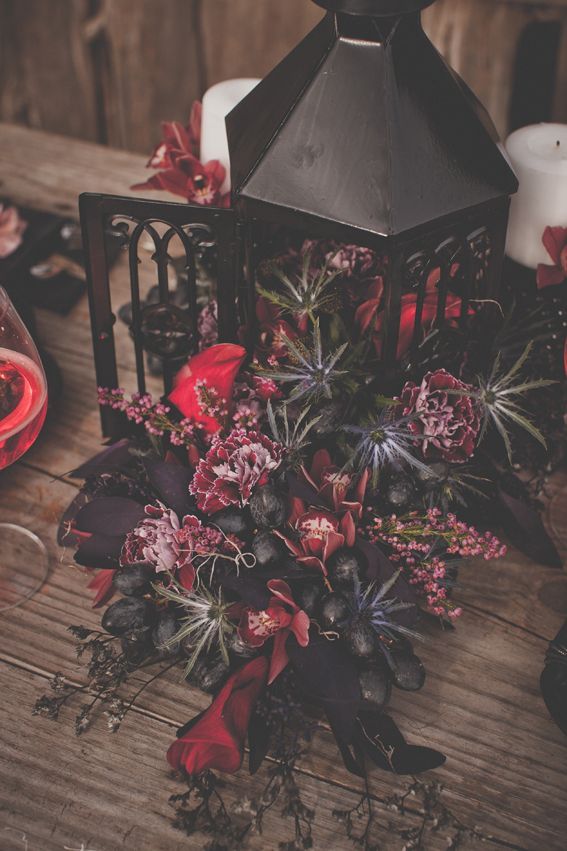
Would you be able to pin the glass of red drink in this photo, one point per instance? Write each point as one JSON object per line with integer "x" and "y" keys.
{"x": 24, "y": 560}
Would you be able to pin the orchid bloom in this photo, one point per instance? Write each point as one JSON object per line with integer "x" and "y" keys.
{"x": 320, "y": 533}
{"x": 333, "y": 484}
{"x": 555, "y": 242}
{"x": 279, "y": 620}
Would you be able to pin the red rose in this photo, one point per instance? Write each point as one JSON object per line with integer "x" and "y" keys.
{"x": 555, "y": 241}
{"x": 280, "y": 619}
{"x": 448, "y": 423}
{"x": 215, "y": 739}
{"x": 204, "y": 387}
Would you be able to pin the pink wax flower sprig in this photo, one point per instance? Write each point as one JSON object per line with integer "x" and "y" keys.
{"x": 154, "y": 416}
{"x": 421, "y": 544}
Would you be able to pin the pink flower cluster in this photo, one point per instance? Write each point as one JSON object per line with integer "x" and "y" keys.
{"x": 154, "y": 416}
{"x": 209, "y": 400}
{"x": 170, "y": 545}
{"x": 412, "y": 541}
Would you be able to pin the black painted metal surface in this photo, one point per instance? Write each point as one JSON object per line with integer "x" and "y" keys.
{"x": 376, "y": 8}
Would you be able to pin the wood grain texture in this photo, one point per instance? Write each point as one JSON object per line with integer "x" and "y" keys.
{"x": 481, "y": 704}
{"x": 111, "y": 70}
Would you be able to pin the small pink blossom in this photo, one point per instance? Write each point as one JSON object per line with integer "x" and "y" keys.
{"x": 12, "y": 228}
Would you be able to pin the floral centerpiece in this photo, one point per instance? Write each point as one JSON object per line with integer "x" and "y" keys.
{"x": 285, "y": 522}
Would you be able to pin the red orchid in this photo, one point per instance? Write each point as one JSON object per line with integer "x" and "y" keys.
{"x": 215, "y": 739}
{"x": 272, "y": 329}
{"x": 205, "y": 385}
{"x": 555, "y": 241}
{"x": 178, "y": 140}
{"x": 199, "y": 183}
{"x": 281, "y": 618}
{"x": 333, "y": 484}
{"x": 319, "y": 534}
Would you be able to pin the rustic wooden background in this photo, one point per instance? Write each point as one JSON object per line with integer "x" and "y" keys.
{"x": 110, "y": 70}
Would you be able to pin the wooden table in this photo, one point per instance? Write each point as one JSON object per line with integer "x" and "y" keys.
{"x": 506, "y": 764}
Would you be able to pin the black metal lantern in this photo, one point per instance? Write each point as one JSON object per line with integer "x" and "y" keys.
{"x": 362, "y": 136}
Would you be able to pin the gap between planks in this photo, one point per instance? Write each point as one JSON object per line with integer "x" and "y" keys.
{"x": 20, "y": 665}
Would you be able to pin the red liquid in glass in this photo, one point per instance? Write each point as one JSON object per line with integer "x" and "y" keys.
{"x": 23, "y": 404}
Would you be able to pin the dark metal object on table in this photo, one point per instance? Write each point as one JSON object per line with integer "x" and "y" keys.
{"x": 553, "y": 682}
{"x": 162, "y": 327}
{"x": 361, "y": 136}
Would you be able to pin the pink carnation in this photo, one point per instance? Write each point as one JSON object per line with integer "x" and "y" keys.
{"x": 448, "y": 423}
{"x": 232, "y": 468}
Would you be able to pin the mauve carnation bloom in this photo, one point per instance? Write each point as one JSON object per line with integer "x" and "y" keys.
{"x": 447, "y": 422}
{"x": 12, "y": 228}
{"x": 354, "y": 261}
{"x": 232, "y": 468}
{"x": 154, "y": 540}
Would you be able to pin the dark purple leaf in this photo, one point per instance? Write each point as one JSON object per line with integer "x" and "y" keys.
{"x": 258, "y": 741}
{"x": 110, "y": 515}
{"x": 171, "y": 482}
{"x": 326, "y": 673}
{"x": 252, "y": 592}
{"x": 114, "y": 457}
{"x": 383, "y": 742}
{"x": 525, "y": 528}
{"x": 300, "y": 489}
{"x": 352, "y": 758}
{"x": 65, "y": 536}
{"x": 100, "y": 551}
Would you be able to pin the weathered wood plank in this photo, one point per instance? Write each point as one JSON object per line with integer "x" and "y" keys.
{"x": 247, "y": 38}
{"x": 46, "y": 71}
{"x": 60, "y": 791}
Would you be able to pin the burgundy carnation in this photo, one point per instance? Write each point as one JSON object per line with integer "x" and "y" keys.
{"x": 232, "y": 468}
{"x": 448, "y": 422}
{"x": 153, "y": 541}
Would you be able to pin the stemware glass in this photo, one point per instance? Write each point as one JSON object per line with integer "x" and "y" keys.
{"x": 24, "y": 560}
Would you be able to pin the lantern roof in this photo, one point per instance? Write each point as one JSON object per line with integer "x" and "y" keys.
{"x": 364, "y": 124}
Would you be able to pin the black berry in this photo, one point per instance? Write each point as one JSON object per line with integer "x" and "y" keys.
{"x": 134, "y": 580}
{"x": 375, "y": 686}
{"x": 335, "y": 611}
{"x": 128, "y": 615}
{"x": 268, "y": 507}
{"x": 232, "y": 521}
{"x": 344, "y": 568}
{"x": 267, "y": 549}
{"x": 362, "y": 640}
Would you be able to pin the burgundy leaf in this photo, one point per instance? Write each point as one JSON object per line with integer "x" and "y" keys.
{"x": 171, "y": 481}
{"x": 383, "y": 742}
{"x": 65, "y": 535}
{"x": 114, "y": 457}
{"x": 100, "y": 551}
{"x": 110, "y": 515}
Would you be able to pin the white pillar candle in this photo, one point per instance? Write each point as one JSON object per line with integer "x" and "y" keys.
{"x": 539, "y": 158}
{"x": 218, "y": 101}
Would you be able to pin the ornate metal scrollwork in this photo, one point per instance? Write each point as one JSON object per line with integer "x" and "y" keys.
{"x": 480, "y": 248}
